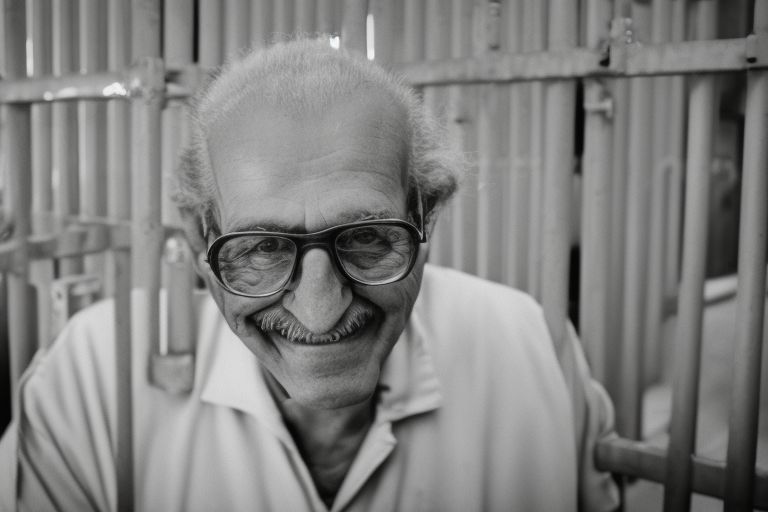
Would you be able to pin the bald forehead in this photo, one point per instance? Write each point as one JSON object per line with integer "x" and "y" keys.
{"x": 368, "y": 122}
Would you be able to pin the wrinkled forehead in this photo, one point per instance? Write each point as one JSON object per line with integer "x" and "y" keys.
{"x": 298, "y": 166}
{"x": 366, "y": 129}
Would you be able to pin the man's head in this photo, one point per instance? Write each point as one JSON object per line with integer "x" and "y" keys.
{"x": 298, "y": 139}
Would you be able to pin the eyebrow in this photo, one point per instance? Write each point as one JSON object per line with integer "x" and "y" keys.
{"x": 343, "y": 218}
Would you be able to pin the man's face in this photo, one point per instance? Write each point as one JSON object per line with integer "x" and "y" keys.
{"x": 280, "y": 173}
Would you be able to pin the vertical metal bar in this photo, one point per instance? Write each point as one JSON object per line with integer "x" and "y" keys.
{"x": 119, "y": 262}
{"x": 639, "y": 169}
{"x": 703, "y": 107}
{"x": 236, "y": 26}
{"x": 178, "y": 32}
{"x": 210, "y": 36}
{"x": 353, "y": 25}
{"x": 596, "y": 203}
{"x": 745, "y": 404}
{"x": 283, "y": 18}
{"x": 64, "y": 126}
{"x": 328, "y": 12}
{"x": 516, "y": 218}
{"x": 413, "y": 44}
{"x": 118, "y": 156}
{"x": 560, "y": 97}
{"x": 261, "y": 23}
{"x": 305, "y": 16}
{"x": 535, "y": 29}
{"x": 620, "y": 90}
{"x": 177, "y": 359}
{"x": 652, "y": 342}
{"x": 437, "y": 46}
{"x": 675, "y": 168}
{"x": 388, "y": 23}
{"x": 38, "y": 28}
{"x": 41, "y": 272}
{"x": 17, "y": 164}
{"x": 491, "y": 130}
{"x": 91, "y": 126}
{"x": 462, "y": 107}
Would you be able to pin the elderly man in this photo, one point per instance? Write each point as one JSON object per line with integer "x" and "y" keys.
{"x": 335, "y": 370}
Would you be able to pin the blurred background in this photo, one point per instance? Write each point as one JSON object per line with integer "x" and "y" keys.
{"x": 609, "y": 144}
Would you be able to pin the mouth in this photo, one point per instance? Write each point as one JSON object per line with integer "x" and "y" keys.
{"x": 278, "y": 322}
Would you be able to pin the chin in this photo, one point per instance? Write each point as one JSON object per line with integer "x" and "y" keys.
{"x": 336, "y": 392}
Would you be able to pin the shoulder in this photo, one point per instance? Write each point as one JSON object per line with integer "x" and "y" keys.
{"x": 454, "y": 302}
{"x": 75, "y": 373}
{"x": 470, "y": 324}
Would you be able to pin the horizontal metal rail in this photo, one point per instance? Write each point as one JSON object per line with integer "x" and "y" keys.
{"x": 716, "y": 56}
{"x": 640, "y": 460}
{"x": 76, "y": 240}
{"x": 126, "y": 84}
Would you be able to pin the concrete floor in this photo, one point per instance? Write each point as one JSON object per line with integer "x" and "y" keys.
{"x": 714, "y": 402}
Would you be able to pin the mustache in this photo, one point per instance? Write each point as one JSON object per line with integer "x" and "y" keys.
{"x": 277, "y": 318}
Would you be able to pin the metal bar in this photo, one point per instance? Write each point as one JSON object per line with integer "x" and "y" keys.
{"x": 172, "y": 366}
{"x": 283, "y": 18}
{"x": 639, "y": 460}
{"x": 745, "y": 404}
{"x": 64, "y": 121}
{"x": 560, "y": 103}
{"x": 261, "y": 23}
{"x": 413, "y": 42}
{"x": 436, "y": 46}
{"x": 675, "y": 171}
{"x": 353, "y": 25}
{"x": 15, "y": 120}
{"x": 99, "y": 85}
{"x": 328, "y": 16}
{"x": 210, "y": 37}
{"x": 516, "y": 203}
{"x": 492, "y": 136}
{"x": 118, "y": 155}
{"x": 689, "y": 57}
{"x": 639, "y": 167}
{"x": 91, "y": 124}
{"x": 119, "y": 21}
{"x": 38, "y": 21}
{"x": 236, "y": 26}
{"x": 652, "y": 339}
{"x": 41, "y": 272}
{"x": 388, "y": 23}
{"x": 305, "y": 16}
{"x": 596, "y": 205}
{"x": 462, "y": 105}
{"x": 178, "y": 32}
{"x": 534, "y": 39}
{"x": 703, "y": 106}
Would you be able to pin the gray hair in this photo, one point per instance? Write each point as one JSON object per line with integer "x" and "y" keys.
{"x": 298, "y": 77}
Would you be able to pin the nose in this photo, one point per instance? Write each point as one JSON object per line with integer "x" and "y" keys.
{"x": 318, "y": 298}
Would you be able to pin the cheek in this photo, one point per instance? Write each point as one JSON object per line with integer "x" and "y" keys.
{"x": 395, "y": 300}
{"x": 237, "y": 310}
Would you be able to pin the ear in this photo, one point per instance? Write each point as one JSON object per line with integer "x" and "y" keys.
{"x": 194, "y": 229}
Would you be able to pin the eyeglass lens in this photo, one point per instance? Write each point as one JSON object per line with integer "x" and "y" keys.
{"x": 373, "y": 254}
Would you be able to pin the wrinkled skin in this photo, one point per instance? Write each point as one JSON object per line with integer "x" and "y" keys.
{"x": 302, "y": 175}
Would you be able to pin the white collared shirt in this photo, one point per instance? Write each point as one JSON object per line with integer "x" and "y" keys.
{"x": 474, "y": 413}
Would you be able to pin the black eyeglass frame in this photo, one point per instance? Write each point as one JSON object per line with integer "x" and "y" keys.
{"x": 325, "y": 238}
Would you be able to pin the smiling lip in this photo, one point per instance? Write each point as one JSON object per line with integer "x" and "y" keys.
{"x": 278, "y": 321}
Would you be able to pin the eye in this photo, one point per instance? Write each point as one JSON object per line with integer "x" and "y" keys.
{"x": 366, "y": 236}
{"x": 268, "y": 245}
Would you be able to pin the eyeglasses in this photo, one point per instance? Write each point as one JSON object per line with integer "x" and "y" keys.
{"x": 263, "y": 263}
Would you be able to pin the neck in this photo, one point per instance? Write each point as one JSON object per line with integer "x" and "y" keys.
{"x": 328, "y": 439}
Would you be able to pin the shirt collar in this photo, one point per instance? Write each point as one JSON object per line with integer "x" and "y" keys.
{"x": 408, "y": 383}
